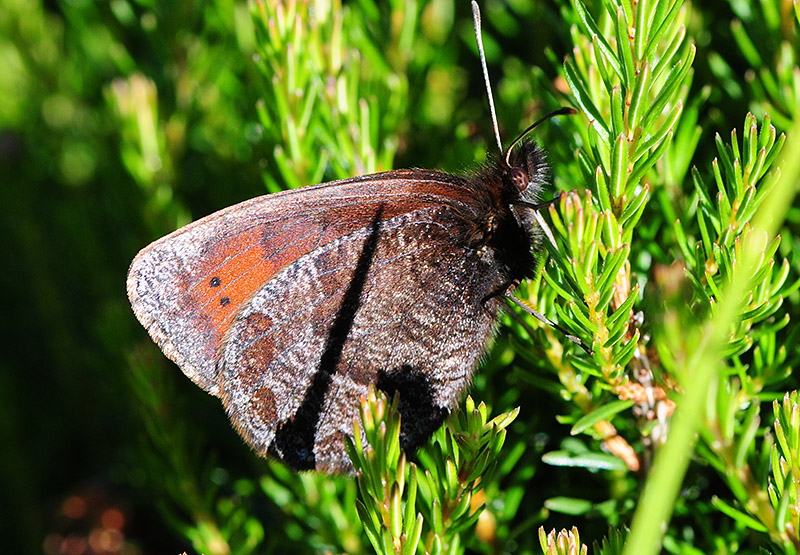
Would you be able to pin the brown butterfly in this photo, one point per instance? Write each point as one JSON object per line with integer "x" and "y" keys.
{"x": 288, "y": 306}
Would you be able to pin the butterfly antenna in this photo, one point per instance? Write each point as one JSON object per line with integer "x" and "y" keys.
{"x": 566, "y": 110}
{"x": 476, "y": 18}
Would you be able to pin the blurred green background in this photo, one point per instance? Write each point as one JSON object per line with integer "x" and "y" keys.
{"x": 122, "y": 120}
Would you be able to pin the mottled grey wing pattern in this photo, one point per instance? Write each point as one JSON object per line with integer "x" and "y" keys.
{"x": 363, "y": 309}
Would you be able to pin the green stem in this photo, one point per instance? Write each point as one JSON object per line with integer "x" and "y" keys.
{"x": 661, "y": 489}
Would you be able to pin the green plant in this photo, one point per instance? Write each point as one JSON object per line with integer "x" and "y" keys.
{"x": 332, "y": 105}
{"x": 407, "y": 508}
{"x": 674, "y": 252}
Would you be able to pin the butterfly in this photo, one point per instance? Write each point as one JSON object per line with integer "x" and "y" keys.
{"x": 288, "y": 306}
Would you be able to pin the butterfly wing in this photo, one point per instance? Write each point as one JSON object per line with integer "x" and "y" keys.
{"x": 365, "y": 308}
{"x": 187, "y": 287}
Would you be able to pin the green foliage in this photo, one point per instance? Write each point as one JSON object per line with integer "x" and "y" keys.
{"x": 386, "y": 508}
{"x": 783, "y": 487}
{"x": 674, "y": 254}
{"x": 407, "y": 508}
{"x": 327, "y": 91}
{"x": 565, "y": 543}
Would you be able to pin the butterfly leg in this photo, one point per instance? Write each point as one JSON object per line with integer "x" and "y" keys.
{"x": 508, "y": 294}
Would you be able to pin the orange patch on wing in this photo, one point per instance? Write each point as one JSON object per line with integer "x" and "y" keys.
{"x": 237, "y": 267}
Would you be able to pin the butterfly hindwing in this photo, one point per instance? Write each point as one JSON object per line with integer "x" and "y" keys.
{"x": 362, "y": 309}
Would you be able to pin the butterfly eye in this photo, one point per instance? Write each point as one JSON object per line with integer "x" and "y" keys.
{"x": 519, "y": 178}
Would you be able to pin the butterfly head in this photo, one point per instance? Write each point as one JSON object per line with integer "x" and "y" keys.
{"x": 525, "y": 167}
{"x": 526, "y": 170}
